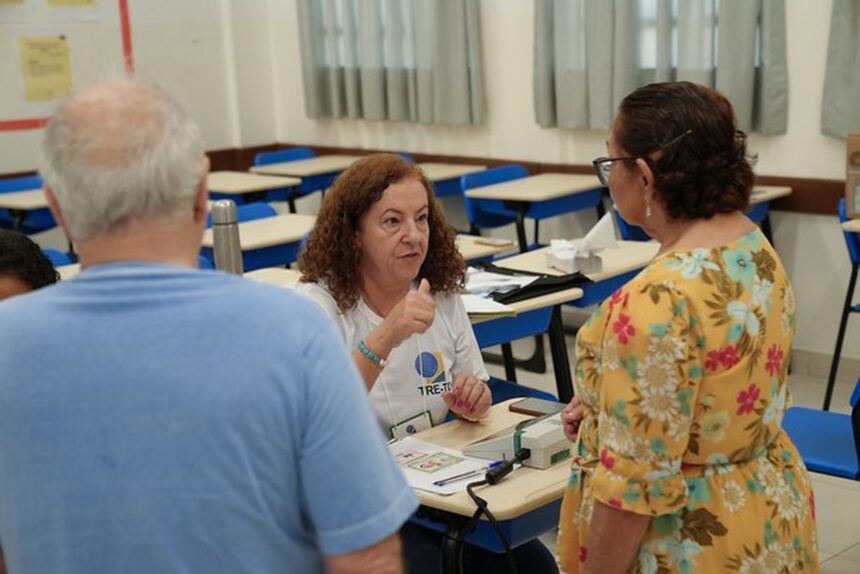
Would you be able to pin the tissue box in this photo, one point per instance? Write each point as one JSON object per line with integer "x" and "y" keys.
{"x": 570, "y": 263}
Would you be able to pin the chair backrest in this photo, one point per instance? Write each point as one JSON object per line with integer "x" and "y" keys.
{"x": 852, "y": 240}
{"x": 490, "y": 213}
{"x": 20, "y": 183}
{"x": 630, "y": 232}
{"x": 407, "y": 156}
{"x": 204, "y": 263}
{"x": 855, "y": 416}
{"x": 58, "y": 257}
{"x": 283, "y": 155}
{"x": 249, "y": 212}
{"x": 493, "y": 175}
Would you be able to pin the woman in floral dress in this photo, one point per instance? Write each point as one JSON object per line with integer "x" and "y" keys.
{"x": 680, "y": 461}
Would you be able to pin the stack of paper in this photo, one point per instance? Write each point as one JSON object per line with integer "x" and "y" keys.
{"x": 424, "y": 464}
{"x": 485, "y": 307}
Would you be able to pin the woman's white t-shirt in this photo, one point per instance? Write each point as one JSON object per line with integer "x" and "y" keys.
{"x": 422, "y": 367}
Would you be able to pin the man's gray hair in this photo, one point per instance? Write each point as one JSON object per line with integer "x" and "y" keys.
{"x": 121, "y": 152}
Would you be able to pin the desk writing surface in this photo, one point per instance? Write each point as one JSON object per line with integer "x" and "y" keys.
{"x": 627, "y": 256}
{"x": 535, "y": 188}
{"x": 307, "y": 167}
{"x": 473, "y": 247}
{"x": 442, "y": 171}
{"x": 532, "y": 303}
{"x": 24, "y": 200}
{"x": 852, "y": 225}
{"x": 523, "y": 490}
{"x": 269, "y": 231}
{"x": 68, "y": 271}
{"x": 274, "y": 276}
{"x": 761, "y": 193}
{"x": 240, "y": 182}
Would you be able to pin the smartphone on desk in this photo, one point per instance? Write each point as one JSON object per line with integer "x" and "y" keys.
{"x": 536, "y": 407}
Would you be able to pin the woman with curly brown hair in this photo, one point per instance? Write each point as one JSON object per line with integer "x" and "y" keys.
{"x": 383, "y": 263}
{"x": 680, "y": 462}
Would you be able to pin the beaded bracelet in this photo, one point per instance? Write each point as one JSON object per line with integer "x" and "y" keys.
{"x": 370, "y": 355}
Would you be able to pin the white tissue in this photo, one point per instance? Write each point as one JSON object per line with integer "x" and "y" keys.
{"x": 582, "y": 254}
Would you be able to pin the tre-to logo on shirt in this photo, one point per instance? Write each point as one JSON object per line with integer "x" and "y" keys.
{"x": 431, "y": 368}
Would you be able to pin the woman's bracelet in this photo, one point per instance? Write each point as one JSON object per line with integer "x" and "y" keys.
{"x": 370, "y": 355}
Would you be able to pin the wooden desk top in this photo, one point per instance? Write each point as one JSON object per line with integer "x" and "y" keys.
{"x": 852, "y": 225}
{"x": 523, "y": 490}
{"x": 269, "y": 231}
{"x": 762, "y": 193}
{"x": 68, "y": 271}
{"x": 627, "y": 256}
{"x": 274, "y": 276}
{"x": 240, "y": 182}
{"x": 535, "y": 188}
{"x": 442, "y": 171}
{"x": 308, "y": 167}
{"x": 24, "y": 200}
{"x": 474, "y": 247}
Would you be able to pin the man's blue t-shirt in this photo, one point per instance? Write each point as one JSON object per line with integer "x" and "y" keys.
{"x": 161, "y": 419}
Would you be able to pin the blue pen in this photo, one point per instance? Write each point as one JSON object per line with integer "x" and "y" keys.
{"x": 470, "y": 474}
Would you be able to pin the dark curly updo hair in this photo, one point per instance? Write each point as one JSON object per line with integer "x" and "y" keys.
{"x": 332, "y": 253}
{"x": 21, "y": 258}
{"x": 704, "y": 172}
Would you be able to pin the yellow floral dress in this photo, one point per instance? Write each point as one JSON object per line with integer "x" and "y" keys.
{"x": 683, "y": 374}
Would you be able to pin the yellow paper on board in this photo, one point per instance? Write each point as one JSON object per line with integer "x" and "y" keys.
{"x": 72, "y": 2}
{"x": 46, "y": 67}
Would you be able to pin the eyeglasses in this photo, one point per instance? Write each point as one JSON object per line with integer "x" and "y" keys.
{"x": 603, "y": 165}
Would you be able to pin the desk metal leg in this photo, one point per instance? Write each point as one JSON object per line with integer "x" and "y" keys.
{"x": 766, "y": 229}
{"x": 508, "y": 360}
{"x": 560, "y": 360}
{"x": 840, "y": 338}
{"x": 19, "y": 216}
{"x": 521, "y": 231}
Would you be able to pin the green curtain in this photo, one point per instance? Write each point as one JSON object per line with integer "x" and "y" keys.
{"x": 840, "y": 105}
{"x": 588, "y": 56}
{"x": 401, "y": 60}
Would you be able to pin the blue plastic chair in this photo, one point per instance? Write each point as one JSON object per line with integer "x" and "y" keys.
{"x": 34, "y": 221}
{"x": 204, "y": 263}
{"x": 257, "y": 258}
{"x": 490, "y": 213}
{"x": 852, "y": 241}
{"x": 828, "y": 442}
{"x": 59, "y": 258}
{"x": 630, "y": 232}
{"x": 248, "y": 212}
{"x": 309, "y": 185}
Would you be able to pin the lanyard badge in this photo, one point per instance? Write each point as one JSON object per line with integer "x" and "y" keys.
{"x": 412, "y": 425}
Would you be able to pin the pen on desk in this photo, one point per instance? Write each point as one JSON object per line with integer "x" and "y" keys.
{"x": 470, "y": 474}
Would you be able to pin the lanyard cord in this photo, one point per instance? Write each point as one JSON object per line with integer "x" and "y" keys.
{"x": 380, "y": 379}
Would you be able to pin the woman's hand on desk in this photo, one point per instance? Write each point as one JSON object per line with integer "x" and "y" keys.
{"x": 470, "y": 398}
{"x": 571, "y": 416}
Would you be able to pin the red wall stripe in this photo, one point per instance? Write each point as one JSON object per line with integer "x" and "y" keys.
{"x": 127, "y": 54}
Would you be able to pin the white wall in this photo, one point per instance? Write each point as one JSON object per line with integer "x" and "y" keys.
{"x": 235, "y": 65}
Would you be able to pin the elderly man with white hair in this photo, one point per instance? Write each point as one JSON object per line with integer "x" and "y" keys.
{"x": 157, "y": 418}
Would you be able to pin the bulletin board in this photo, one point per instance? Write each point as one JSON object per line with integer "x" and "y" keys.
{"x": 49, "y": 46}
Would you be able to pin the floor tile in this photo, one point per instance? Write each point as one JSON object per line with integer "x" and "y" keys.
{"x": 840, "y": 565}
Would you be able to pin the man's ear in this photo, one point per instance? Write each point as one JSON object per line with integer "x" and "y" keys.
{"x": 54, "y": 206}
{"x": 202, "y": 197}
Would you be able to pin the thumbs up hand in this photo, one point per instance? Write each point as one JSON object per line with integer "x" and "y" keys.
{"x": 413, "y": 314}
